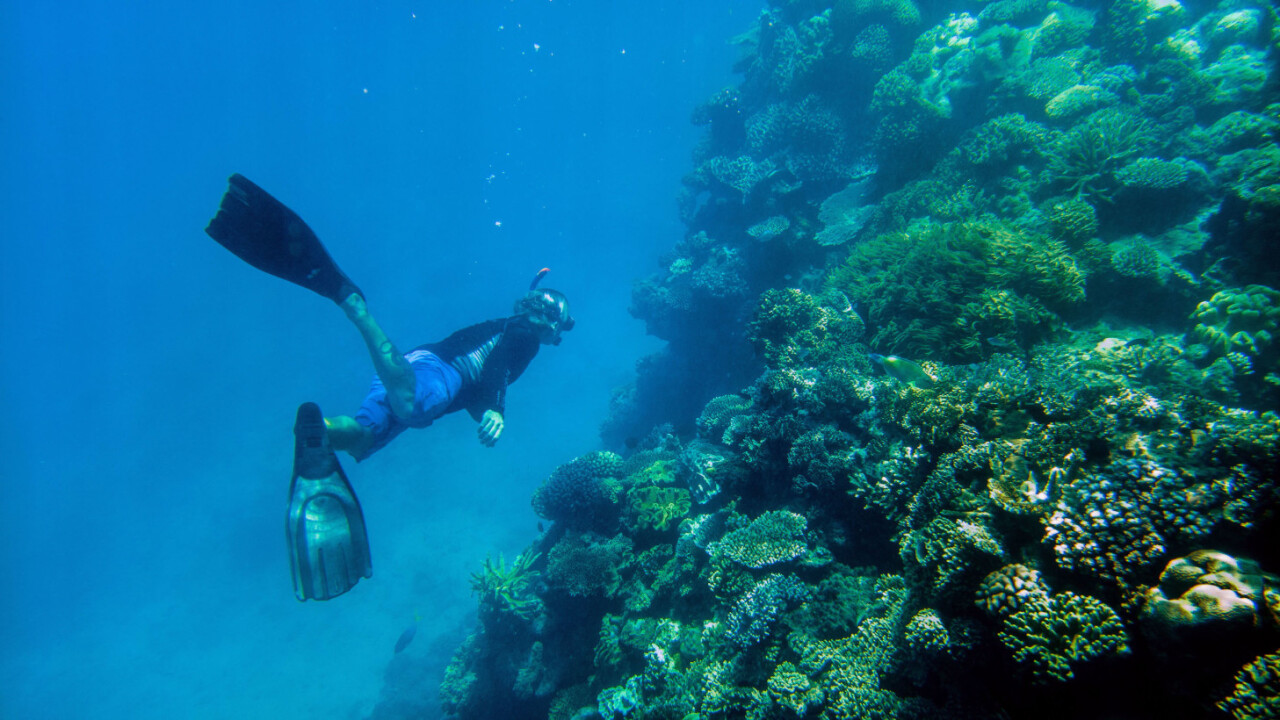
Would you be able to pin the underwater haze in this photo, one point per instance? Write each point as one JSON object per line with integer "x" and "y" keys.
{"x": 926, "y": 360}
{"x": 444, "y": 152}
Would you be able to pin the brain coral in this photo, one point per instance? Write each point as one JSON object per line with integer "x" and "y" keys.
{"x": 1243, "y": 320}
{"x": 1206, "y": 587}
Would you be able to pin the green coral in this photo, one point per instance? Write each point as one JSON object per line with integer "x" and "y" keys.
{"x": 1245, "y": 320}
{"x": 1256, "y": 695}
{"x": 1088, "y": 156}
{"x": 792, "y": 327}
{"x": 1073, "y": 221}
{"x": 583, "y": 565}
{"x": 658, "y": 472}
{"x": 1052, "y": 637}
{"x": 509, "y": 589}
{"x": 659, "y": 507}
{"x": 793, "y": 690}
{"x": 1078, "y": 100}
{"x": 1154, "y": 174}
{"x": 718, "y": 413}
{"x": 774, "y": 537}
{"x": 939, "y": 290}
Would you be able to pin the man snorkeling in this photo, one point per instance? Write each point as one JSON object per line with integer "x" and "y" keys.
{"x": 470, "y": 369}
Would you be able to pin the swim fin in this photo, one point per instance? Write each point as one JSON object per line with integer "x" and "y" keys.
{"x": 328, "y": 547}
{"x": 260, "y": 230}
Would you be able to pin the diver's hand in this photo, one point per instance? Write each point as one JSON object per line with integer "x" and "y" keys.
{"x": 491, "y": 427}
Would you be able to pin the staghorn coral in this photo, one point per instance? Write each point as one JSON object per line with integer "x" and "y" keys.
{"x": 1052, "y": 637}
{"x": 509, "y": 589}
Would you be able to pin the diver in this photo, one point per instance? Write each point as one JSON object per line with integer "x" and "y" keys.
{"x": 470, "y": 369}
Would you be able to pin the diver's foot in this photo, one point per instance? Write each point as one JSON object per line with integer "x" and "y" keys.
{"x": 354, "y": 306}
{"x": 349, "y": 436}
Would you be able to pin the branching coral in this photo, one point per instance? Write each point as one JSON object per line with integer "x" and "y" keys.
{"x": 1089, "y": 155}
{"x": 753, "y": 614}
{"x": 1051, "y": 637}
{"x": 941, "y": 289}
{"x": 792, "y": 327}
{"x": 1257, "y": 690}
{"x": 509, "y": 589}
{"x": 577, "y": 494}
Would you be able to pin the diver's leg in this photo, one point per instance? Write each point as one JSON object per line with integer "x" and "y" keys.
{"x": 393, "y": 370}
{"x": 348, "y": 435}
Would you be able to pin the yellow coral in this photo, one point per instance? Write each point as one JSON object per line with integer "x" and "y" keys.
{"x": 657, "y": 507}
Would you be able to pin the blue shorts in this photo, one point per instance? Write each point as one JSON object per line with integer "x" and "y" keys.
{"x": 435, "y": 385}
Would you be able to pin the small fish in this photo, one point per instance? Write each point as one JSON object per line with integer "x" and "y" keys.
{"x": 997, "y": 341}
{"x": 407, "y": 636}
{"x": 904, "y": 370}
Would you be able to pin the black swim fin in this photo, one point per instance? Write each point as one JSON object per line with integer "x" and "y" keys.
{"x": 328, "y": 546}
{"x": 260, "y": 230}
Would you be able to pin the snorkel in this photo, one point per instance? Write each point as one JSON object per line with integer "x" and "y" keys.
{"x": 546, "y": 307}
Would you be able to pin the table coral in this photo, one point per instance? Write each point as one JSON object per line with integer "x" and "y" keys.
{"x": 774, "y": 537}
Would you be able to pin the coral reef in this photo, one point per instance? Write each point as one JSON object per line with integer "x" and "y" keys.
{"x": 1063, "y": 216}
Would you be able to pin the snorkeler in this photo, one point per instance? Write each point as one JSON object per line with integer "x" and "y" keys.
{"x": 470, "y": 369}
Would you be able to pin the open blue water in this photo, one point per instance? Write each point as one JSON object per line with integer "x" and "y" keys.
{"x": 444, "y": 152}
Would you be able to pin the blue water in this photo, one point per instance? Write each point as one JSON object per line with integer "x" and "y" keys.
{"x": 444, "y": 152}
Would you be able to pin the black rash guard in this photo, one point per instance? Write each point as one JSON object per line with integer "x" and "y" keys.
{"x": 489, "y": 356}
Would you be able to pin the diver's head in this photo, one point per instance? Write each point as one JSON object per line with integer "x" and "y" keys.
{"x": 546, "y": 310}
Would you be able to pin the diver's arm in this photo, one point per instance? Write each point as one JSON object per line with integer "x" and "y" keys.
{"x": 393, "y": 370}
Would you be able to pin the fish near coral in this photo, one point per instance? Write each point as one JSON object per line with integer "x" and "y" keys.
{"x": 904, "y": 370}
